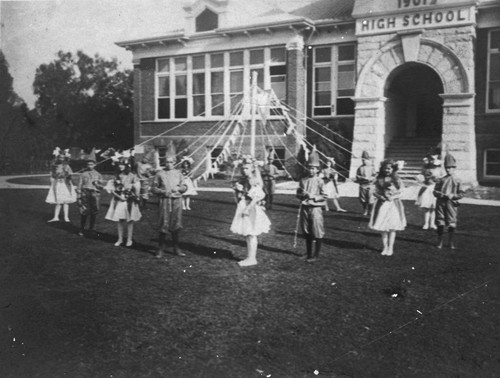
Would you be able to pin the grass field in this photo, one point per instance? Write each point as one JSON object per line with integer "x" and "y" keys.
{"x": 81, "y": 307}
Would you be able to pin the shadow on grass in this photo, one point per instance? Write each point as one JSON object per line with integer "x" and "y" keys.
{"x": 263, "y": 247}
{"x": 336, "y": 242}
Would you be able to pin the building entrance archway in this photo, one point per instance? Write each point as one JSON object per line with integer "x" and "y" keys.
{"x": 413, "y": 107}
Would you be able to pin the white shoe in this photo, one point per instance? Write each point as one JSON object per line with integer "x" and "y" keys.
{"x": 118, "y": 243}
{"x": 425, "y": 227}
{"x": 129, "y": 243}
{"x": 247, "y": 262}
{"x": 53, "y": 220}
{"x": 66, "y": 220}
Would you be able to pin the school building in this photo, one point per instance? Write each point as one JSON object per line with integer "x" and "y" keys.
{"x": 396, "y": 77}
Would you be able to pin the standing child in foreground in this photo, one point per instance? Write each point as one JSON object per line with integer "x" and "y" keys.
{"x": 365, "y": 175}
{"x": 169, "y": 185}
{"x": 388, "y": 215}
{"x": 89, "y": 195}
{"x": 448, "y": 191}
{"x": 250, "y": 220}
{"x": 124, "y": 206}
{"x": 425, "y": 198}
{"x": 62, "y": 191}
{"x": 330, "y": 177}
{"x": 311, "y": 192}
{"x": 191, "y": 190}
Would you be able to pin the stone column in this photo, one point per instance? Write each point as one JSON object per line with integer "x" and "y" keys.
{"x": 296, "y": 84}
{"x": 459, "y": 136}
{"x": 369, "y": 131}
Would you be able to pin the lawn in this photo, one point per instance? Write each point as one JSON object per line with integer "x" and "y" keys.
{"x": 81, "y": 307}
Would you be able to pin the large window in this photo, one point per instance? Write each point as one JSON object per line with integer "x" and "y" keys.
{"x": 492, "y": 163}
{"x": 493, "y": 88}
{"x": 334, "y": 79}
{"x": 212, "y": 85}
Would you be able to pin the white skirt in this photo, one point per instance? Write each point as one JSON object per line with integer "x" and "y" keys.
{"x": 425, "y": 198}
{"x": 330, "y": 190}
{"x": 191, "y": 190}
{"x": 255, "y": 223}
{"x": 119, "y": 210}
{"x": 59, "y": 193}
{"x": 388, "y": 216}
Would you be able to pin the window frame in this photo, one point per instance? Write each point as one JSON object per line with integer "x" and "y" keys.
{"x": 490, "y": 52}
{"x": 265, "y": 81}
{"x": 485, "y": 163}
{"x": 334, "y": 64}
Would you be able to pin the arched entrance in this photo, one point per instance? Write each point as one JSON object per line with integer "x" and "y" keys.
{"x": 414, "y": 107}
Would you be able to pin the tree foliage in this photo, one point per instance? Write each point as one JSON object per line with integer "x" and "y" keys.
{"x": 85, "y": 101}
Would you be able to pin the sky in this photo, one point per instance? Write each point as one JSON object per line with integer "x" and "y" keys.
{"x": 32, "y": 32}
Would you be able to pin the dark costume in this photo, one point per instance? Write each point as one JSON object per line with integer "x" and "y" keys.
{"x": 269, "y": 173}
{"x": 89, "y": 195}
{"x": 169, "y": 186}
{"x": 448, "y": 191}
{"x": 311, "y": 192}
{"x": 365, "y": 176}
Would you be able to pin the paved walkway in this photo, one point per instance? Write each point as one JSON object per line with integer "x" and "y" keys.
{"x": 347, "y": 189}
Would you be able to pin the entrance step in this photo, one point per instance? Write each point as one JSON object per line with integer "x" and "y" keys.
{"x": 412, "y": 151}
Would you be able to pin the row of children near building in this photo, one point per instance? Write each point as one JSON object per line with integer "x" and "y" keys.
{"x": 379, "y": 194}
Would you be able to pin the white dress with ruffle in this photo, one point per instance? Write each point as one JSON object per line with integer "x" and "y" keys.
{"x": 124, "y": 210}
{"x": 388, "y": 215}
{"x": 61, "y": 191}
{"x": 255, "y": 222}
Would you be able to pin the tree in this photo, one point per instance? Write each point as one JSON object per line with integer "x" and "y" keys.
{"x": 19, "y": 140}
{"x": 85, "y": 102}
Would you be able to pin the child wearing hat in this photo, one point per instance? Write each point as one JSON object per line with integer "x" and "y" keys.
{"x": 311, "y": 193}
{"x": 365, "y": 175}
{"x": 388, "y": 215}
{"x": 448, "y": 192}
{"x": 186, "y": 171}
{"x": 269, "y": 174}
{"x": 88, "y": 189}
{"x": 169, "y": 185}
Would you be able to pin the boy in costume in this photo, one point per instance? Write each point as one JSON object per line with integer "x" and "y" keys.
{"x": 88, "y": 190}
{"x": 365, "y": 176}
{"x": 311, "y": 193}
{"x": 269, "y": 174}
{"x": 169, "y": 185}
{"x": 448, "y": 191}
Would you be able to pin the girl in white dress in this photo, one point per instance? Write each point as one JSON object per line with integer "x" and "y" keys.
{"x": 388, "y": 215}
{"x": 330, "y": 176}
{"x": 62, "y": 191}
{"x": 425, "y": 198}
{"x": 191, "y": 189}
{"x": 250, "y": 220}
{"x": 124, "y": 206}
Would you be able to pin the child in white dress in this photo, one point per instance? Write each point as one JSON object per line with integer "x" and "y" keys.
{"x": 250, "y": 219}
{"x": 62, "y": 191}
{"x": 388, "y": 215}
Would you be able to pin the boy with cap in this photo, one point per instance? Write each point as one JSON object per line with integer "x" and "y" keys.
{"x": 88, "y": 191}
{"x": 448, "y": 191}
{"x": 365, "y": 176}
{"x": 169, "y": 185}
{"x": 269, "y": 174}
{"x": 311, "y": 193}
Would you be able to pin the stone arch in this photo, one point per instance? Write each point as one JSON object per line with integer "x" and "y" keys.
{"x": 373, "y": 76}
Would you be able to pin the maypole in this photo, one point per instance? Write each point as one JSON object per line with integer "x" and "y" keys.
{"x": 253, "y": 109}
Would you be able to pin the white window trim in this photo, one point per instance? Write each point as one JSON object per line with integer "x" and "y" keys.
{"x": 334, "y": 69}
{"x": 485, "y": 162}
{"x": 488, "y": 62}
{"x": 247, "y": 70}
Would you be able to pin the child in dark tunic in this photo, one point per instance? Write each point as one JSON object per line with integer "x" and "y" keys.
{"x": 448, "y": 191}
{"x": 312, "y": 194}
{"x": 365, "y": 176}
{"x": 89, "y": 195}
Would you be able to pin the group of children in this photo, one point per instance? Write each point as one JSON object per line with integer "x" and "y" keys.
{"x": 129, "y": 189}
{"x": 379, "y": 194}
